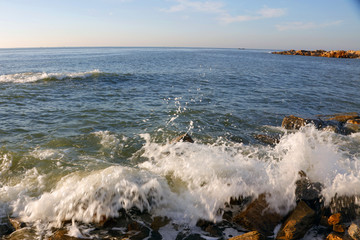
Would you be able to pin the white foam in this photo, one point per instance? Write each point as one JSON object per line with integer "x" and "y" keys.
{"x": 29, "y": 77}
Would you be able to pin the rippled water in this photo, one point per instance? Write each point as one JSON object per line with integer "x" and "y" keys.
{"x": 85, "y": 132}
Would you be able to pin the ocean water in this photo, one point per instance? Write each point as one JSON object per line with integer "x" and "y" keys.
{"x": 86, "y": 132}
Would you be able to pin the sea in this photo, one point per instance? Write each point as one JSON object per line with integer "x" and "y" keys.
{"x": 86, "y": 133}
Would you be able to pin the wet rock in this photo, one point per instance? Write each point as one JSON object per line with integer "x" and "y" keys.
{"x": 308, "y": 191}
{"x": 334, "y": 219}
{"x": 337, "y": 236}
{"x": 183, "y": 138}
{"x": 258, "y": 217}
{"x": 345, "y": 117}
{"x": 339, "y": 228}
{"x": 16, "y": 223}
{"x": 136, "y": 231}
{"x": 298, "y": 223}
{"x": 293, "y": 123}
{"x": 6, "y": 228}
{"x": 24, "y": 233}
{"x": 183, "y": 236}
{"x": 214, "y": 231}
{"x": 159, "y": 222}
{"x": 354, "y": 231}
{"x": 254, "y": 235}
{"x": 267, "y": 139}
{"x": 61, "y": 234}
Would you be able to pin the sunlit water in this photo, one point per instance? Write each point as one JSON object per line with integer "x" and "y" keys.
{"x": 85, "y": 132}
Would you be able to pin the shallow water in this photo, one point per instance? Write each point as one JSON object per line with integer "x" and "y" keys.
{"x": 85, "y": 132}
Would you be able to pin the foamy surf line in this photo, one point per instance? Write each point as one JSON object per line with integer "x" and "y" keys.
{"x": 29, "y": 77}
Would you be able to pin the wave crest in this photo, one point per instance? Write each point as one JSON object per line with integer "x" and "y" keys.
{"x": 29, "y": 77}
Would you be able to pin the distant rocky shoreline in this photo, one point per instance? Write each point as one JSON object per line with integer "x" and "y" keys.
{"x": 322, "y": 53}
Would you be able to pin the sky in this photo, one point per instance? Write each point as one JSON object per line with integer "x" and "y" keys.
{"x": 261, "y": 24}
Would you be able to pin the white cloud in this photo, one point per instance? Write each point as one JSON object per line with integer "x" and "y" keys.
{"x": 208, "y": 6}
{"x": 261, "y": 14}
{"x": 305, "y": 25}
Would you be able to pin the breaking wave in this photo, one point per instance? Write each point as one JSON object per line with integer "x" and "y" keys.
{"x": 29, "y": 77}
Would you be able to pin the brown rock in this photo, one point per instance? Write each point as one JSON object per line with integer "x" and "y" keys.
{"x": 353, "y": 121}
{"x": 183, "y": 138}
{"x": 339, "y": 228}
{"x": 298, "y": 223}
{"x": 258, "y": 217}
{"x": 61, "y": 234}
{"x": 16, "y": 223}
{"x": 254, "y": 235}
{"x": 24, "y": 233}
{"x": 354, "y": 231}
{"x": 267, "y": 139}
{"x": 292, "y": 122}
{"x": 159, "y": 222}
{"x": 345, "y": 117}
{"x": 337, "y": 236}
{"x": 334, "y": 219}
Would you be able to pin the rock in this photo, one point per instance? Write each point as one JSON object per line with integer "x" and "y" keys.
{"x": 183, "y": 138}
{"x": 214, "y": 231}
{"x": 298, "y": 223}
{"x": 159, "y": 222}
{"x": 182, "y": 236}
{"x": 24, "y": 233}
{"x": 254, "y": 235}
{"x": 267, "y": 139}
{"x": 354, "y": 231}
{"x": 334, "y": 219}
{"x": 16, "y": 223}
{"x": 322, "y": 53}
{"x": 339, "y": 228}
{"x": 61, "y": 234}
{"x": 258, "y": 217}
{"x": 353, "y": 121}
{"x": 345, "y": 117}
{"x": 291, "y": 122}
{"x": 307, "y": 190}
{"x": 337, "y": 236}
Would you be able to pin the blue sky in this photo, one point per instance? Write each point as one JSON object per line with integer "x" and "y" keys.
{"x": 275, "y": 24}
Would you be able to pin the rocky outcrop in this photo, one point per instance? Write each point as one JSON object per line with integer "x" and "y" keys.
{"x": 258, "y": 217}
{"x": 298, "y": 223}
{"x": 322, "y": 53}
{"x": 254, "y": 235}
{"x": 354, "y": 231}
{"x": 338, "y": 123}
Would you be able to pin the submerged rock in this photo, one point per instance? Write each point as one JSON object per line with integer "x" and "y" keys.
{"x": 267, "y": 139}
{"x": 298, "y": 223}
{"x": 258, "y": 217}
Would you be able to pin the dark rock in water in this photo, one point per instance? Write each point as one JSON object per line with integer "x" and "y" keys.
{"x": 182, "y": 138}
{"x": 254, "y": 235}
{"x": 6, "y": 228}
{"x": 344, "y": 117}
{"x": 267, "y": 139}
{"x": 307, "y": 191}
{"x": 258, "y": 217}
{"x": 298, "y": 223}
{"x": 183, "y": 236}
{"x": 340, "y": 228}
{"x": 214, "y": 231}
{"x": 354, "y": 231}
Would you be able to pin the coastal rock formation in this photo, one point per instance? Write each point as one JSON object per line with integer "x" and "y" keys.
{"x": 322, "y": 53}
{"x": 258, "y": 217}
{"x": 298, "y": 223}
{"x": 254, "y": 235}
{"x": 338, "y": 123}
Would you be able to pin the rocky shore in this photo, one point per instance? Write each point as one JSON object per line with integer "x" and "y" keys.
{"x": 322, "y": 53}
{"x": 248, "y": 218}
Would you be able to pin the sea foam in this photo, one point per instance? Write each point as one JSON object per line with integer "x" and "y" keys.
{"x": 29, "y": 77}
